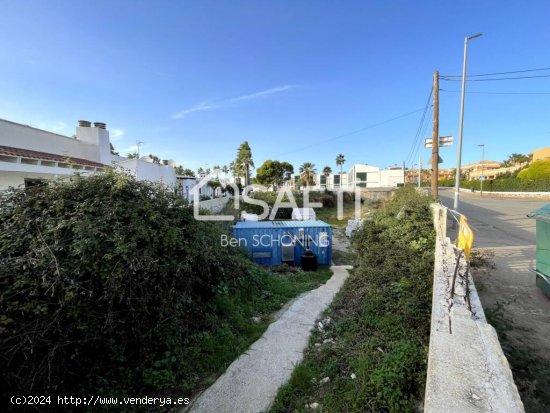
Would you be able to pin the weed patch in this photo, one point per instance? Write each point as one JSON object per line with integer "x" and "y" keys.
{"x": 531, "y": 373}
{"x": 371, "y": 353}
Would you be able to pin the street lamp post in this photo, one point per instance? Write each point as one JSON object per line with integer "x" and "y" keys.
{"x": 482, "y": 178}
{"x": 138, "y": 145}
{"x": 459, "y": 154}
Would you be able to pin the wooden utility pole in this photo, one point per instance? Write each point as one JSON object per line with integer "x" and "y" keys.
{"x": 435, "y": 138}
{"x": 420, "y": 172}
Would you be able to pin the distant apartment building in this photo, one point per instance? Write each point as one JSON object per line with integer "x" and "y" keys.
{"x": 541, "y": 154}
{"x": 489, "y": 169}
{"x": 29, "y": 155}
{"x": 359, "y": 176}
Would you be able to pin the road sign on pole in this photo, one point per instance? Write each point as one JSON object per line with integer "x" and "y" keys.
{"x": 443, "y": 141}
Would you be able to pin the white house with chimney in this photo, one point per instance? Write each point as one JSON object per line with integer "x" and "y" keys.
{"x": 29, "y": 155}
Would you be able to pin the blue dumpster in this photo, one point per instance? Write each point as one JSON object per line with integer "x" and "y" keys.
{"x": 277, "y": 242}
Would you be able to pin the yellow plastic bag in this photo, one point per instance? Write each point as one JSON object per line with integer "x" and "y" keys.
{"x": 465, "y": 237}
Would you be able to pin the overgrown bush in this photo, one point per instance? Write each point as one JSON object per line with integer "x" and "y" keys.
{"x": 103, "y": 280}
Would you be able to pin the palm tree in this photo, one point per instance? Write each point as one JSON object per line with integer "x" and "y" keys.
{"x": 307, "y": 172}
{"x": 340, "y": 160}
{"x": 225, "y": 170}
{"x": 327, "y": 170}
{"x": 214, "y": 184}
{"x": 200, "y": 171}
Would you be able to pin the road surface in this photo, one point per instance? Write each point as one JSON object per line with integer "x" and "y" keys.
{"x": 501, "y": 225}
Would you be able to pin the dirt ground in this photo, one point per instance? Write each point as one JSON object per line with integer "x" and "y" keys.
{"x": 512, "y": 284}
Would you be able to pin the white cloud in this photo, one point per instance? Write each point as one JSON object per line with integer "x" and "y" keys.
{"x": 116, "y": 133}
{"x": 262, "y": 93}
{"x": 197, "y": 108}
{"x": 209, "y": 106}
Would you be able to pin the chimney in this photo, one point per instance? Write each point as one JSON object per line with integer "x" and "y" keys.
{"x": 96, "y": 141}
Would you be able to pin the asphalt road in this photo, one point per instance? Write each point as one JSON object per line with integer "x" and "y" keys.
{"x": 502, "y": 228}
{"x": 496, "y": 222}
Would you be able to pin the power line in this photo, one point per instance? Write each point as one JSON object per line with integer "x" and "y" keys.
{"x": 353, "y": 132}
{"x": 502, "y": 73}
{"x": 498, "y": 93}
{"x": 423, "y": 133}
{"x": 419, "y": 130}
{"x": 500, "y": 78}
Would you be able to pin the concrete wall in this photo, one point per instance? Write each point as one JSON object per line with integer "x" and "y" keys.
{"x": 391, "y": 177}
{"x": 215, "y": 205}
{"x": 147, "y": 171}
{"x": 375, "y": 194}
{"x": 467, "y": 370}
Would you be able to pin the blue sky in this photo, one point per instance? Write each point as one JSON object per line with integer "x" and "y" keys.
{"x": 193, "y": 79}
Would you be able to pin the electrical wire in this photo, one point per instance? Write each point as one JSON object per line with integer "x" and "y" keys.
{"x": 423, "y": 133}
{"x": 497, "y": 93}
{"x": 502, "y": 73}
{"x": 374, "y": 125}
{"x": 493, "y": 79}
{"x": 419, "y": 130}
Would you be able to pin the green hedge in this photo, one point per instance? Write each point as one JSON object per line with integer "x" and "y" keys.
{"x": 503, "y": 185}
{"x": 103, "y": 280}
{"x": 537, "y": 170}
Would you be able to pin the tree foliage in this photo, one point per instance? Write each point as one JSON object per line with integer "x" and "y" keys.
{"x": 517, "y": 159}
{"x": 103, "y": 279}
{"x": 180, "y": 170}
{"x": 155, "y": 158}
{"x": 340, "y": 160}
{"x": 307, "y": 173}
{"x": 244, "y": 161}
{"x": 112, "y": 149}
{"x": 274, "y": 173}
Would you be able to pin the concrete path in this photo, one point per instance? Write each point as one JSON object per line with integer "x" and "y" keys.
{"x": 251, "y": 382}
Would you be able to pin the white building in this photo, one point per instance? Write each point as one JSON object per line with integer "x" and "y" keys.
{"x": 362, "y": 176}
{"x": 29, "y": 155}
{"x": 185, "y": 185}
{"x": 144, "y": 169}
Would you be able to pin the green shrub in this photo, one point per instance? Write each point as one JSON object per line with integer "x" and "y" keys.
{"x": 103, "y": 281}
{"x": 380, "y": 320}
{"x": 537, "y": 170}
{"x": 503, "y": 185}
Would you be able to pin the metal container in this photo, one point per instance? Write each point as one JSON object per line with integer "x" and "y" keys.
{"x": 542, "y": 269}
{"x": 275, "y": 242}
